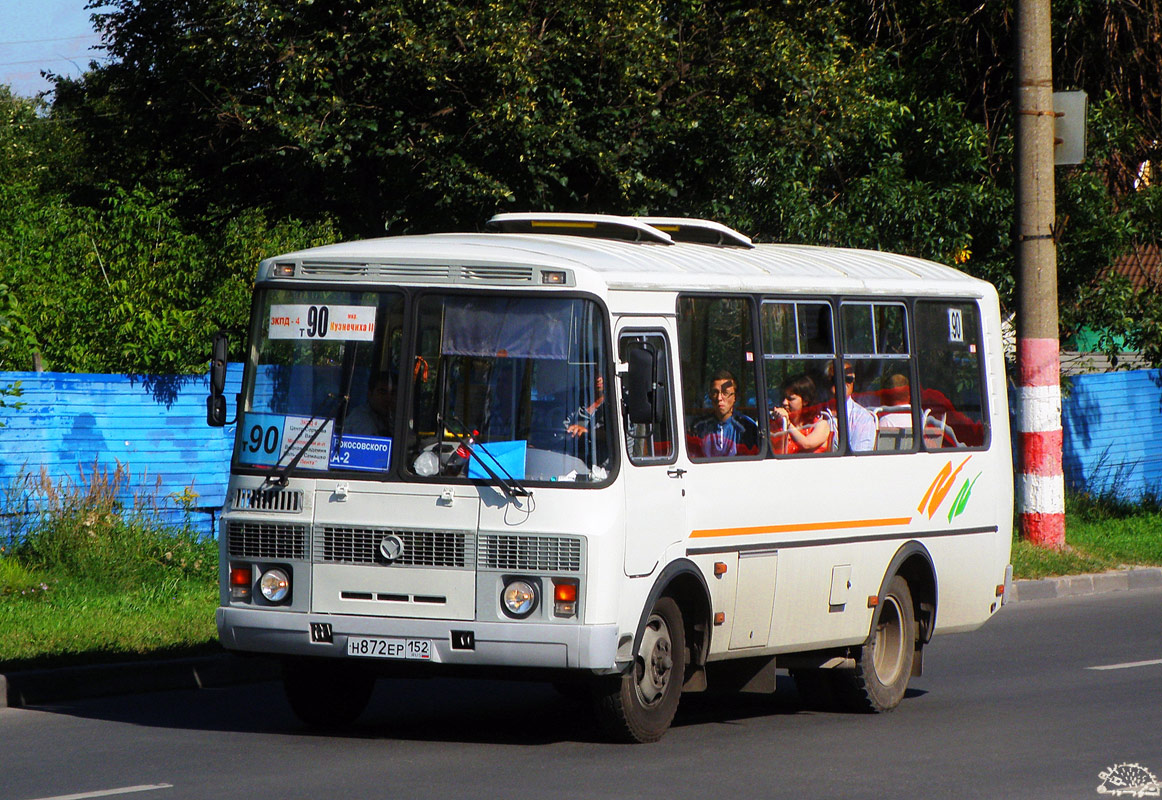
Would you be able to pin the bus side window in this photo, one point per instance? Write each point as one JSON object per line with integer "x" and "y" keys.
{"x": 948, "y": 345}
{"x": 720, "y": 391}
{"x": 799, "y": 367}
{"x": 652, "y": 443}
{"x": 877, "y": 376}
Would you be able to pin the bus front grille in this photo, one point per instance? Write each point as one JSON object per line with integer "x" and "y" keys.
{"x": 266, "y": 540}
{"x": 529, "y": 553}
{"x": 349, "y": 545}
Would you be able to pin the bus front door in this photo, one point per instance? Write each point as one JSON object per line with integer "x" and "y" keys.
{"x": 655, "y": 495}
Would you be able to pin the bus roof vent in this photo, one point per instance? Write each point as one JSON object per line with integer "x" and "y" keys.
{"x": 598, "y": 226}
{"x": 700, "y": 231}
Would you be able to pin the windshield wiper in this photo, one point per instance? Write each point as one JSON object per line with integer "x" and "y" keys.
{"x": 511, "y": 487}
{"x": 280, "y": 477}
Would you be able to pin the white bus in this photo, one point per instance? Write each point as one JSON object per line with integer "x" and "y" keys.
{"x": 641, "y": 454}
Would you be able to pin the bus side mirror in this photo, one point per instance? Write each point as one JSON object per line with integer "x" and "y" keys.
{"x": 640, "y": 383}
{"x": 216, "y": 402}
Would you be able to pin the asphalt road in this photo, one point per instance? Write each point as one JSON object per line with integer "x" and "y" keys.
{"x": 1014, "y": 710}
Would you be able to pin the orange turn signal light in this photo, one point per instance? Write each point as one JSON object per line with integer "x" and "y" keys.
{"x": 565, "y": 592}
{"x": 719, "y": 568}
{"x": 564, "y": 597}
{"x": 240, "y": 580}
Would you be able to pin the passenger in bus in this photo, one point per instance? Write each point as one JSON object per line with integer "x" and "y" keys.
{"x": 804, "y": 424}
{"x": 861, "y": 423}
{"x": 725, "y": 434}
{"x": 375, "y": 418}
{"x": 897, "y": 399}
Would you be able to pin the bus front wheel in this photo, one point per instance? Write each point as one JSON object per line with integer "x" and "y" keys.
{"x": 326, "y": 693}
{"x": 884, "y": 664}
{"x": 639, "y": 704}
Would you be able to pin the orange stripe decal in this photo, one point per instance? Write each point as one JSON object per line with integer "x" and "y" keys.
{"x": 802, "y": 526}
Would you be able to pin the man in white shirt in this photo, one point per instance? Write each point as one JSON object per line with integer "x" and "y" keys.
{"x": 861, "y": 423}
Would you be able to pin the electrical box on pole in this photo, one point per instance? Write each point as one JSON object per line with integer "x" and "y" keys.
{"x": 1068, "y": 128}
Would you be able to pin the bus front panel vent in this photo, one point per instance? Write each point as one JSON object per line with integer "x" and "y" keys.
{"x": 282, "y": 500}
{"x": 265, "y": 540}
{"x": 529, "y": 553}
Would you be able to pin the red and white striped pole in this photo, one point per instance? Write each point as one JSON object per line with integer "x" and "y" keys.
{"x": 1040, "y": 485}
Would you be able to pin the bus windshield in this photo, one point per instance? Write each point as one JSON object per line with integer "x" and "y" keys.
{"x": 511, "y": 384}
{"x": 508, "y": 387}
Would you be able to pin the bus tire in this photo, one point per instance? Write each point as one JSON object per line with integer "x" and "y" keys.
{"x": 884, "y": 665}
{"x": 639, "y": 705}
{"x": 324, "y": 693}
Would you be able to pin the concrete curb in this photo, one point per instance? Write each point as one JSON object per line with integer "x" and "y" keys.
{"x": 1078, "y": 585}
{"x": 36, "y": 687}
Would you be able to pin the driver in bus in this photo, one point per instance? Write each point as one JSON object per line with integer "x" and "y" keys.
{"x": 725, "y": 434}
{"x": 375, "y": 418}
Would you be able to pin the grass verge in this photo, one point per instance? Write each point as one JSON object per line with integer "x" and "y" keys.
{"x": 93, "y": 578}
{"x": 72, "y": 623}
{"x": 1101, "y": 534}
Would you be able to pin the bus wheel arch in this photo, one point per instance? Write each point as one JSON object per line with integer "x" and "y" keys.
{"x": 914, "y": 564}
{"x": 669, "y": 648}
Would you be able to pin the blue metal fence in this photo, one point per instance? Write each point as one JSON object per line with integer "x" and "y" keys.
{"x": 1113, "y": 433}
{"x": 152, "y": 428}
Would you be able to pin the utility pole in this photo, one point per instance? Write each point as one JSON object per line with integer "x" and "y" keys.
{"x": 1041, "y": 483}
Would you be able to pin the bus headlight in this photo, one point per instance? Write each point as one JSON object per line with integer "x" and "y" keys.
{"x": 519, "y": 598}
{"x": 274, "y": 585}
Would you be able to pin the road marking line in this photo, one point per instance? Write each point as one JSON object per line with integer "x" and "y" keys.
{"x": 149, "y": 787}
{"x": 1129, "y": 664}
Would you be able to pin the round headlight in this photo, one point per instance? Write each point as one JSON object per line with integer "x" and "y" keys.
{"x": 275, "y": 585}
{"x": 520, "y": 598}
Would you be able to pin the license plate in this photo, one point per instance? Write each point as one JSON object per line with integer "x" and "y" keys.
{"x": 375, "y": 647}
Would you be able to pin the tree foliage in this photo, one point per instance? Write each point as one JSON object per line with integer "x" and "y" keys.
{"x": 223, "y": 129}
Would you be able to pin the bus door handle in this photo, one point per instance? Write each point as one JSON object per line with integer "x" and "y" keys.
{"x": 675, "y": 472}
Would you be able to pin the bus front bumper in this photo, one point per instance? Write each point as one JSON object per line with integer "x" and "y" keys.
{"x": 511, "y": 644}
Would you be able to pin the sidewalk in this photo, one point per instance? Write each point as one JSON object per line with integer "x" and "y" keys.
{"x": 38, "y": 687}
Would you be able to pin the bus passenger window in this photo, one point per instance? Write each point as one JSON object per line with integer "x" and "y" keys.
{"x": 799, "y": 366}
{"x": 948, "y": 344}
{"x": 877, "y": 376}
{"x": 719, "y": 390}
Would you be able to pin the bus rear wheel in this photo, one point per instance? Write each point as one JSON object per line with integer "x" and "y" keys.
{"x": 884, "y": 665}
{"x": 639, "y": 705}
{"x": 326, "y": 693}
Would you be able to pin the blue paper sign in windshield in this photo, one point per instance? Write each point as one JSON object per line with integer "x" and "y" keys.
{"x": 366, "y": 453}
{"x": 506, "y": 459}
